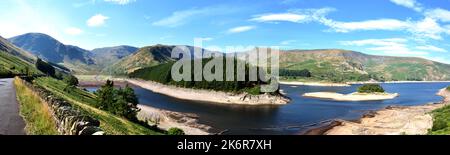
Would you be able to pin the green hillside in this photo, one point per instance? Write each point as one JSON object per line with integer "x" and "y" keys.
{"x": 341, "y": 66}
{"x": 144, "y": 57}
{"x": 14, "y": 61}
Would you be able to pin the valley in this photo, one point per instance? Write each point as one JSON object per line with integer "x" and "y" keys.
{"x": 302, "y": 72}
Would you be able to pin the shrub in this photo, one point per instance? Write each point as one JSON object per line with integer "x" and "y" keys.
{"x": 295, "y": 73}
{"x": 439, "y": 124}
{"x": 121, "y": 102}
{"x": 448, "y": 88}
{"x": 70, "y": 80}
{"x": 175, "y": 131}
{"x": 371, "y": 88}
{"x": 45, "y": 67}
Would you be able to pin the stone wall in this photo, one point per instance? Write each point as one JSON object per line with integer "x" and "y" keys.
{"x": 69, "y": 120}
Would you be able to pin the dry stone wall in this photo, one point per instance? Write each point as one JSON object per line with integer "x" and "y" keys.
{"x": 69, "y": 120}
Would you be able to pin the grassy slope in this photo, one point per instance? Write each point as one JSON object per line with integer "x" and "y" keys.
{"x": 14, "y": 65}
{"x": 112, "y": 124}
{"x": 6, "y": 46}
{"x": 144, "y": 57}
{"x": 35, "y": 113}
{"x": 13, "y": 60}
{"x": 441, "y": 120}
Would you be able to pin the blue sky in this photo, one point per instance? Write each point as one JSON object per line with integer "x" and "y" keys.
{"x": 419, "y": 28}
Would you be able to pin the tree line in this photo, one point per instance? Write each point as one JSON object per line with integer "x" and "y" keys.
{"x": 162, "y": 74}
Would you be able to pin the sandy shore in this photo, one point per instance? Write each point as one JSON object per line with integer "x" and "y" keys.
{"x": 169, "y": 119}
{"x": 209, "y": 95}
{"x": 323, "y": 84}
{"x": 412, "y": 120}
{"x": 352, "y": 96}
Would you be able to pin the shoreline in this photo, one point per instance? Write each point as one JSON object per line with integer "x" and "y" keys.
{"x": 392, "y": 120}
{"x": 210, "y": 95}
{"x": 351, "y": 97}
{"x": 202, "y": 95}
{"x": 321, "y": 84}
{"x": 169, "y": 119}
{"x": 348, "y": 84}
{"x": 369, "y": 82}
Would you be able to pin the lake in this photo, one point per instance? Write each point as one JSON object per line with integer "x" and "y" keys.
{"x": 295, "y": 117}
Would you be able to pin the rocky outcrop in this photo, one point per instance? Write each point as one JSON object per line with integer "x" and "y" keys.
{"x": 69, "y": 120}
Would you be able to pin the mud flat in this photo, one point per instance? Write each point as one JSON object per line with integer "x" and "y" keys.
{"x": 412, "y": 120}
{"x": 209, "y": 95}
{"x": 352, "y": 96}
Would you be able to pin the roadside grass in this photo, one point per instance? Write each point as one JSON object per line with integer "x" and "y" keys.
{"x": 37, "y": 115}
{"x": 110, "y": 123}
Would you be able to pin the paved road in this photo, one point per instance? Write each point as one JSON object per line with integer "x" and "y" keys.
{"x": 11, "y": 123}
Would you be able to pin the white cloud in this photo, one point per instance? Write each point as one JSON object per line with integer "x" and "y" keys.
{"x": 412, "y": 4}
{"x": 290, "y": 17}
{"x": 287, "y": 42}
{"x": 430, "y": 48}
{"x": 120, "y": 2}
{"x": 97, "y": 20}
{"x": 427, "y": 28}
{"x": 376, "y": 42}
{"x": 378, "y": 24}
{"x": 390, "y": 46}
{"x": 179, "y": 18}
{"x": 439, "y": 14}
{"x": 73, "y": 31}
{"x": 241, "y": 29}
{"x": 296, "y": 16}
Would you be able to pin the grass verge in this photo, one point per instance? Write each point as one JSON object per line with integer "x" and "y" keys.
{"x": 110, "y": 123}
{"x": 37, "y": 115}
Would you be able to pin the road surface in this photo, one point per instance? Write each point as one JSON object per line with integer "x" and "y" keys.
{"x": 11, "y": 123}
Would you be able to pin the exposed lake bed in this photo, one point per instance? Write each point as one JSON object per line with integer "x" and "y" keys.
{"x": 299, "y": 115}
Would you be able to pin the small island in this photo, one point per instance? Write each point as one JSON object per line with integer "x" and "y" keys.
{"x": 368, "y": 92}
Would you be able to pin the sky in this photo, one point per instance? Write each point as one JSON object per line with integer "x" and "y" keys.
{"x": 416, "y": 28}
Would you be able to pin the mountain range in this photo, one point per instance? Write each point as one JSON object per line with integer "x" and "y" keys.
{"x": 79, "y": 60}
{"x": 326, "y": 64}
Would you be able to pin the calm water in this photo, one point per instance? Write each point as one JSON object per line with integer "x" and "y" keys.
{"x": 294, "y": 117}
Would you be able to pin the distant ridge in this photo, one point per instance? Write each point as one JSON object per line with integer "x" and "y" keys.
{"x": 50, "y": 49}
{"x": 337, "y": 65}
